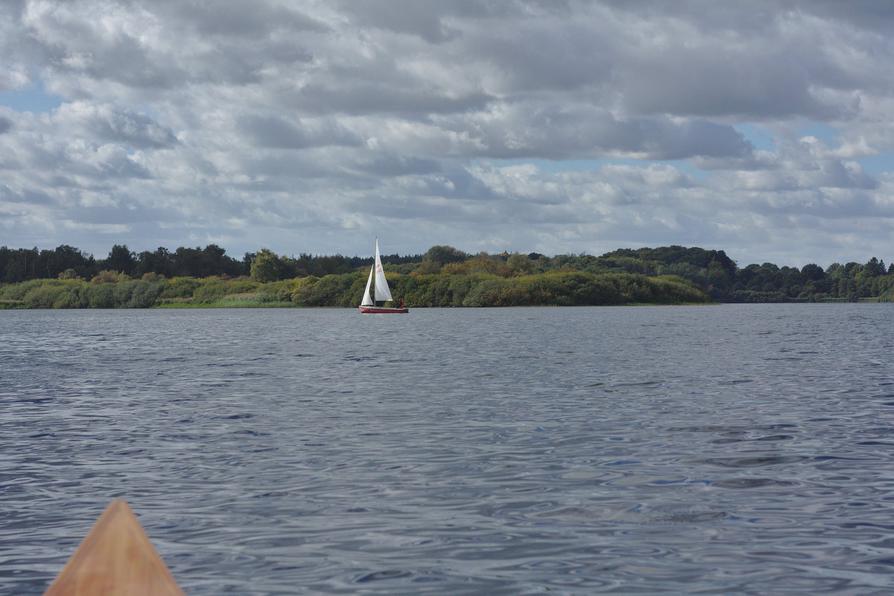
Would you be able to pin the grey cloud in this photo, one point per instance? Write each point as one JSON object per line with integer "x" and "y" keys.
{"x": 290, "y": 166}
{"x": 814, "y": 175}
{"x": 5, "y": 125}
{"x": 120, "y": 126}
{"x": 114, "y": 162}
{"x": 834, "y": 174}
{"x": 692, "y": 138}
{"x": 27, "y": 195}
{"x": 713, "y": 83}
{"x": 429, "y": 19}
{"x": 757, "y": 16}
{"x": 398, "y": 165}
{"x": 671, "y": 59}
{"x": 163, "y": 50}
{"x": 276, "y": 132}
{"x": 407, "y": 16}
{"x": 125, "y": 60}
{"x": 418, "y": 210}
{"x": 352, "y": 96}
{"x": 533, "y": 56}
{"x": 234, "y": 17}
{"x": 457, "y": 182}
{"x": 873, "y": 14}
{"x": 70, "y": 150}
{"x": 565, "y": 133}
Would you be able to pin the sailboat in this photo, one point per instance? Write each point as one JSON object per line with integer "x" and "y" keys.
{"x": 380, "y": 290}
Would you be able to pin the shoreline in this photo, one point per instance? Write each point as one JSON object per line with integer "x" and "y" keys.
{"x": 284, "y": 306}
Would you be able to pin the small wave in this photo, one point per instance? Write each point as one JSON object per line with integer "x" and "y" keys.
{"x": 691, "y": 517}
{"x": 736, "y": 382}
{"x": 639, "y": 384}
{"x": 751, "y": 482}
{"x": 382, "y": 575}
{"x": 751, "y": 462}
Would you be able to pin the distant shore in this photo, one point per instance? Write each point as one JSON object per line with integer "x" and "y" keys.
{"x": 560, "y": 288}
{"x": 442, "y": 277}
{"x": 344, "y": 290}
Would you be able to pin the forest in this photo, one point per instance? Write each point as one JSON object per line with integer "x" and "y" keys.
{"x": 66, "y": 277}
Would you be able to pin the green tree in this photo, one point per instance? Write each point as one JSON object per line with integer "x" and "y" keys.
{"x": 267, "y": 266}
{"x": 443, "y": 254}
{"x": 813, "y": 272}
{"x": 120, "y": 259}
{"x": 519, "y": 264}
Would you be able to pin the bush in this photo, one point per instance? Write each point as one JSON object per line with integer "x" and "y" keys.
{"x": 50, "y": 293}
{"x": 109, "y": 277}
{"x": 211, "y": 289}
{"x": 301, "y": 289}
{"x": 100, "y": 296}
{"x": 136, "y": 294}
{"x": 180, "y": 287}
{"x": 43, "y": 296}
{"x": 329, "y": 290}
{"x": 278, "y": 291}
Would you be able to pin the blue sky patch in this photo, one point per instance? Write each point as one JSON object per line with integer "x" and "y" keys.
{"x": 33, "y": 98}
{"x": 828, "y": 135}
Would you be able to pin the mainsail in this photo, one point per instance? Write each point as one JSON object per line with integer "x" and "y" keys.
{"x": 367, "y": 299}
{"x": 382, "y": 291}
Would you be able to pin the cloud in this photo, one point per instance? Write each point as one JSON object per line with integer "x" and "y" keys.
{"x": 104, "y": 122}
{"x": 276, "y": 132}
{"x": 529, "y": 125}
{"x": 553, "y": 132}
{"x": 230, "y": 18}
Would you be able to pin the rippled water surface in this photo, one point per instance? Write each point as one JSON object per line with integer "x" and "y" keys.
{"x": 722, "y": 448}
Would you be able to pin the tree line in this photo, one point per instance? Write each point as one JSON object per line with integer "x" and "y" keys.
{"x": 23, "y": 264}
{"x": 442, "y": 276}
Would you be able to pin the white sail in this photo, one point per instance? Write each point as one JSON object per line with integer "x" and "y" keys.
{"x": 382, "y": 291}
{"x": 367, "y": 299}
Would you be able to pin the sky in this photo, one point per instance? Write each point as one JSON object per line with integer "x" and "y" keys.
{"x": 763, "y": 128}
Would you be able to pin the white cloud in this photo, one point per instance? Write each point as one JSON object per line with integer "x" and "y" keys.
{"x": 525, "y": 125}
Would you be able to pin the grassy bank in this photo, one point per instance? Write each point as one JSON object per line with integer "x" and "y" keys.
{"x": 556, "y": 288}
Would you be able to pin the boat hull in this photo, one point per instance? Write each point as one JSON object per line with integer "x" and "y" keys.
{"x": 381, "y": 310}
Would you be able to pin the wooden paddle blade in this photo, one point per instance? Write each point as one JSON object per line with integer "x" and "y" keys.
{"x": 116, "y": 558}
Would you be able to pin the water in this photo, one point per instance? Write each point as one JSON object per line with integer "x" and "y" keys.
{"x": 506, "y": 451}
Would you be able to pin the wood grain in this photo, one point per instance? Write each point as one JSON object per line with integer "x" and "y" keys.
{"x": 116, "y": 558}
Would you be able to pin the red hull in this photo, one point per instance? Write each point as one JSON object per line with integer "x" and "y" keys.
{"x": 381, "y": 310}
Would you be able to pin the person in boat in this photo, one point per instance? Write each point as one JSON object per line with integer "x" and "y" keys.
{"x": 401, "y": 305}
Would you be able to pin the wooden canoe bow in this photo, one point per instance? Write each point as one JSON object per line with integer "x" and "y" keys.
{"x": 116, "y": 558}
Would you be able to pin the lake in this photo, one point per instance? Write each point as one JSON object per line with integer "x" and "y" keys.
{"x": 734, "y": 448}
